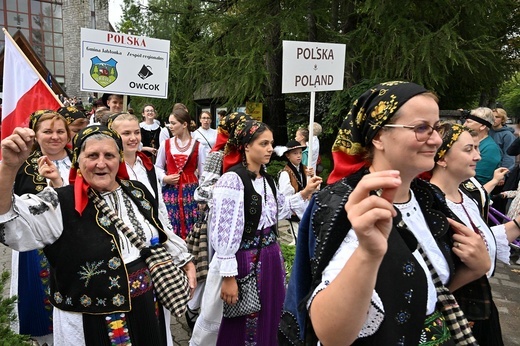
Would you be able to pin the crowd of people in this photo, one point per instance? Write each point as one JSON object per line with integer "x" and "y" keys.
{"x": 396, "y": 249}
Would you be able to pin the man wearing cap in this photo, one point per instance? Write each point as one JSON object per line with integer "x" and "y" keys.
{"x": 481, "y": 120}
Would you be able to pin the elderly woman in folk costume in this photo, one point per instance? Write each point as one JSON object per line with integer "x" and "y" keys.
{"x": 456, "y": 161}
{"x": 246, "y": 207}
{"x": 100, "y": 286}
{"x": 383, "y": 260}
{"x": 293, "y": 177}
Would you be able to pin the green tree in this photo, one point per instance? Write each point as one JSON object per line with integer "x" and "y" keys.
{"x": 7, "y": 316}
{"x": 510, "y": 97}
{"x": 231, "y": 50}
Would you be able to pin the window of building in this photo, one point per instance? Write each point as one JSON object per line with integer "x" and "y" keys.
{"x": 41, "y": 22}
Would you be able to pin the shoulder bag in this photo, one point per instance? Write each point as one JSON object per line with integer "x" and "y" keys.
{"x": 170, "y": 282}
{"x": 248, "y": 297}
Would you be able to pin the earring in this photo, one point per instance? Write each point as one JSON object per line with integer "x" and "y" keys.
{"x": 244, "y": 161}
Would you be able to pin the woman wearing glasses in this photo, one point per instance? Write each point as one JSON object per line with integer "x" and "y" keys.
{"x": 383, "y": 241}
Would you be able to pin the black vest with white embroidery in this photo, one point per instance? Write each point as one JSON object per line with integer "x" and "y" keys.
{"x": 87, "y": 271}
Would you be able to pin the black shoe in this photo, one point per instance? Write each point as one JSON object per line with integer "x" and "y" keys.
{"x": 191, "y": 317}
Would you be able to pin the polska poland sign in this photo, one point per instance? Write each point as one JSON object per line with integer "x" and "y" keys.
{"x": 312, "y": 66}
{"x": 124, "y": 64}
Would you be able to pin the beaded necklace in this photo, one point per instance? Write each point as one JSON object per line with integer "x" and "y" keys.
{"x": 182, "y": 148}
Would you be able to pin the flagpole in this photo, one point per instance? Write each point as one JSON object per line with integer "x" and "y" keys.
{"x": 7, "y": 35}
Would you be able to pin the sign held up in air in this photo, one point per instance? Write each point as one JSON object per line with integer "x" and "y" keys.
{"x": 124, "y": 64}
{"x": 312, "y": 66}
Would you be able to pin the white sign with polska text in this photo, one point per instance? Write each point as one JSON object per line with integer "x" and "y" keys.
{"x": 124, "y": 64}
{"x": 312, "y": 66}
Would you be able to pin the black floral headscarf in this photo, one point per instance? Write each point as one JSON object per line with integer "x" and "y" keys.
{"x": 367, "y": 116}
{"x": 451, "y": 133}
{"x": 35, "y": 117}
{"x": 226, "y": 129}
{"x": 71, "y": 114}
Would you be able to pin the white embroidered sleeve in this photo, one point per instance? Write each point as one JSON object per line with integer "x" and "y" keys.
{"x": 160, "y": 163}
{"x": 227, "y": 223}
{"x": 208, "y": 178}
{"x": 376, "y": 312}
{"x": 33, "y": 221}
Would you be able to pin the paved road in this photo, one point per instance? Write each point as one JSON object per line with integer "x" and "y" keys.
{"x": 505, "y": 285}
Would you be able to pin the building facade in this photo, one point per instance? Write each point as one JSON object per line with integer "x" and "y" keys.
{"x": 53, "y": 28}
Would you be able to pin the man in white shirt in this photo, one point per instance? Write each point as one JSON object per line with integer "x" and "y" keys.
{"x": 206, "y": 136}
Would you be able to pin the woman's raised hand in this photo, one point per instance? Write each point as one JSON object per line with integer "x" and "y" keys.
{"x": 48, "y": 170}
{"x": 371, "y": 215}
{"x": 17, "y": 147}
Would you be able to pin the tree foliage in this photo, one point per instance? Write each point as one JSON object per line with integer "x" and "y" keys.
{"x": 230, "y": 50}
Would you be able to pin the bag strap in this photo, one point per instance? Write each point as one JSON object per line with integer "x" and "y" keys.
{"x": 454, "y": 316}
{"x": 105, "y": 209}
{"x": 210, "y": 146}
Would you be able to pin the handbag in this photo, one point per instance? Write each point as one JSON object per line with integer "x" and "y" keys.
{"x": 456, "y": 322}
{"x": 170, "y": 282}
{"x": 197, "y": 243}
{"x": 248, "y": 297}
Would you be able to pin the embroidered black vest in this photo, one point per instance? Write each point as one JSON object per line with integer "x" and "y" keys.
{"x": 87, "y": 271}
{"x": 475, "y": 297}
{"x": 28, "y": 180}
{"x": 252, "y": 201}
{"x": 405, "y": 298}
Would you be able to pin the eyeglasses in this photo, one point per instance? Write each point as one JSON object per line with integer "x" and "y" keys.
{"x": 149, "y": 111}
{"x": 423, "y": 132}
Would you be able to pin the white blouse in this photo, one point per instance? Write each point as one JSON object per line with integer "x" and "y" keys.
{"x": 495, "y": 238}
{"x": 227, "y": 217}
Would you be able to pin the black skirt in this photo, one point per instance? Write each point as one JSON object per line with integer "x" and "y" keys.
{"x": 143, "y": 325}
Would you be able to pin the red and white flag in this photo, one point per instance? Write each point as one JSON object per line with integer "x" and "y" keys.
{"x": 25, "y": 91}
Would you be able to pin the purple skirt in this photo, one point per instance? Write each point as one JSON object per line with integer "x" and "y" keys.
{"x": 258, "y": 328}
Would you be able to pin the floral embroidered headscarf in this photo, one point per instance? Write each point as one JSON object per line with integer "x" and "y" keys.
{"x": 243, "y": 134}
{"x": 225, "y": 138}
{"x": 226, "y": 129}
{"x": 368, "y": 114}
{"x": 35, "y": 117}
{"x": 71, "y": 113}
{"x": 450, "y": 133}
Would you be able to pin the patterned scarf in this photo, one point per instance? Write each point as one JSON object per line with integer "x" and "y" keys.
{"x": 368, "y": 114}
{"x": 450, "y": 134}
